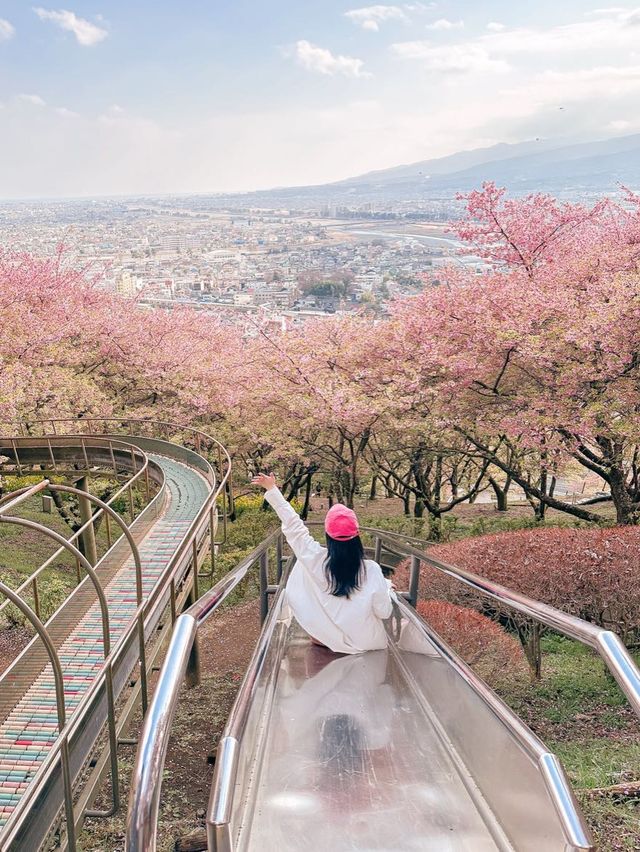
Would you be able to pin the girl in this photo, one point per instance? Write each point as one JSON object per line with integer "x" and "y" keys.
{"x": 337, "y": 596}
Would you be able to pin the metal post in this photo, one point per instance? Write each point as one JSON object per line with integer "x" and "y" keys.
{"x": 279, "y": 558}
{"x": 52, "y": 456}
{"x": 212, "y": 538}
{"x": 173, "y": 600}
{"x": 414, "y": 579}
{"x": 16, "y": 456}
{"x": 194, "y": 560}
{"x": 107, "y": 526}
{"x": 377, "y": 550}
{"x": 36, "y": 596}
{"x": 264, "y": 584}
{"x": 192, "y": 676}
{"x": 88, "y": 537}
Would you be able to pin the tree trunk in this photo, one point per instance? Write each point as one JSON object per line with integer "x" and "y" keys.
{"x": 501, "y": 492}
{"x": 418, "y": 508}
{"x": 307, "y": 498}
{"x": 627, "y": 512}
{"x": 387, "y": 486}
{"x": 372, "y": 490}
{"x": 529, "y": 636}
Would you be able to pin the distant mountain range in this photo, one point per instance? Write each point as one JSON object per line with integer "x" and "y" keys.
{"x": 576, "y": 170}
{"x": 584, "y": 167}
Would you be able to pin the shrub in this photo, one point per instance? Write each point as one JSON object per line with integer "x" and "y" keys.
{"x": 253, "y": 503}
{"x": 591, "y": 573}
{"x": 484, "y": 645}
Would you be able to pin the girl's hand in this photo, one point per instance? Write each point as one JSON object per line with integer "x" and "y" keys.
{"x": 264, "y": 480}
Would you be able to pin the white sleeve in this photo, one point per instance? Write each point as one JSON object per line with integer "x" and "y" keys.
{"x": 382, "y": 600}
{"x": 300, "y": 540}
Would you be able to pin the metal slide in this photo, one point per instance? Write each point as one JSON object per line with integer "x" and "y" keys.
{"x": 401, "y": 749}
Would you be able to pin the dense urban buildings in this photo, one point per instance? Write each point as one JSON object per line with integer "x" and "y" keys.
{"x": 285, "y": 264}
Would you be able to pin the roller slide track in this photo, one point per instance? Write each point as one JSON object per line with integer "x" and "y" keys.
{"x": 172, "y": 535}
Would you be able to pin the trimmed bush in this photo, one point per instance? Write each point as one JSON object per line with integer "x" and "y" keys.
{"x": 592, "y": 573}
{"x": 484, "y": 645}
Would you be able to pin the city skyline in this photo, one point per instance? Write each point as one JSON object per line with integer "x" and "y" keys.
{"x": 149, "y": 98}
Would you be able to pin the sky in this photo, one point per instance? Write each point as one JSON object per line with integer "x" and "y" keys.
{"x": 106, "y": 97}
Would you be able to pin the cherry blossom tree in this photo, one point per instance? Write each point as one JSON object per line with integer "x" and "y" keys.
{"x": 541, "y": 348}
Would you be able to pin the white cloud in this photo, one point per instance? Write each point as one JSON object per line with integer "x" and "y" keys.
{"x": 35, "y": 100}
{"x": 598, "y": 13}
{"x": 451, "y": 59}
{"x": 67, "y": 113}
{"x": 321, "y": 60}
{"x": 566, "y": 87}
{"x": 445, "y": 24}
{"x": 85, "y": 32}
{"x": 619, "y": 125}
{"x": 613, "y": 34}
{"x": 614, "y": 29}
{"x": 370, "y": 17}
{"x": 7, "y": 30}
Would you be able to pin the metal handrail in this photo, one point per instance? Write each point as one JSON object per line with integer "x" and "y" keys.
{"x": 551, "y": 769}
{"x": 58, "y": 680}
{"x": 23, "y": 493}
{"x": 221, "y": 799}
{"x": 102, "y": 679}
{"x": 224, "y": 485}
{"x": 197, "y": 434}
{"x": 146, "y": 780}
{"x": 605, "y": 642}
{"x": 165, "y": 586}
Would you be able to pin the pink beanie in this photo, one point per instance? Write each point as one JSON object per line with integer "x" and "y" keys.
{"x": 341, "y": 523}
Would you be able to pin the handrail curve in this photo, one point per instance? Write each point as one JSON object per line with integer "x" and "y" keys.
{"x": 21, "y": 494}
{"x": 184, "y": 559}
{"x": 605, "y": 642}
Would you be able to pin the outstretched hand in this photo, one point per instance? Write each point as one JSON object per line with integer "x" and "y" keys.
{"x": 264, "y": 480}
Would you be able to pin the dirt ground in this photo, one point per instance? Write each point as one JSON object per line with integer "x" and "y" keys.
{"x": 226, "y": 644}
{"x": 12, "y": 641}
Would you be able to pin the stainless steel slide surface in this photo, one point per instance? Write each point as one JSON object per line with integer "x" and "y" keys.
{"x": 398, "y": 749}
{"x": 350, "y": 756}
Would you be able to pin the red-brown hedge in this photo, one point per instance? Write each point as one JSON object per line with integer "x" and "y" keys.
{"x": 483, "y": 644}
{"x": 594, "y": 573}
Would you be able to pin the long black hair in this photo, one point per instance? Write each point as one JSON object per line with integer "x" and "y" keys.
{"x": 344, "y": 566}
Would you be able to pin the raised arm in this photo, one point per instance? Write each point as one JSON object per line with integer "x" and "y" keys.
{"x": 300, "y": 540}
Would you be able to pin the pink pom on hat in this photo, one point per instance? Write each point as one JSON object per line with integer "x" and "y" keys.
{"x": 341, "y": 523}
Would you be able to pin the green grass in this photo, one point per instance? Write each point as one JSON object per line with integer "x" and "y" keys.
{"x": 581, "y": 715}
{"x": 23, "y": 550}
{"x": 595, "y": 763}
{"x": 243, "y": 535}
{"x": 456, "y": 527}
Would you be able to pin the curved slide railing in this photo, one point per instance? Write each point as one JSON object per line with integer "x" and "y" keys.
{"x": 145, "y": 577}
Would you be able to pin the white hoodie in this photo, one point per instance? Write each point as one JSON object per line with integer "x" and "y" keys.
{"x": 345, "y": 625}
